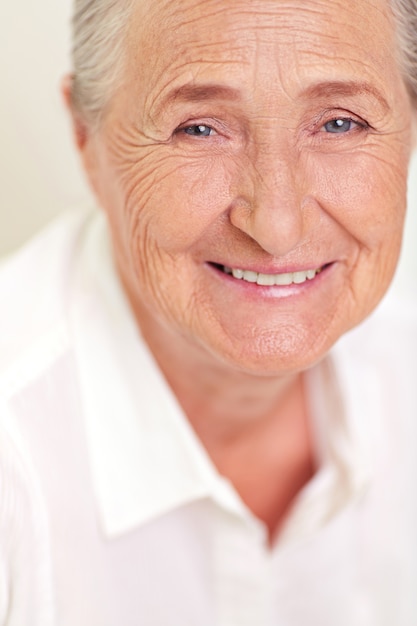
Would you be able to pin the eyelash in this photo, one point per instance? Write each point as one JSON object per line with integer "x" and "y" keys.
{"x": 354, "y": 125}
{"x": 184, "y": 129}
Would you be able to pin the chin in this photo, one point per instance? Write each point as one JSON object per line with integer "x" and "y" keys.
{"x": 272, "y": 354}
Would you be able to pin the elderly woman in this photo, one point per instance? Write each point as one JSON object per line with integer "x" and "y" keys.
{"x": 182, "y": 443}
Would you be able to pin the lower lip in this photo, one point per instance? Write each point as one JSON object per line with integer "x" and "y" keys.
{"x": 273, "y": 291}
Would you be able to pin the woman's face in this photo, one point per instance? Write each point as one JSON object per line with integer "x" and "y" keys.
{"x": 253, "y": 167}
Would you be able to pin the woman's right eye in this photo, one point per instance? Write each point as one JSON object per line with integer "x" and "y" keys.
{"x": 198, "y": 130}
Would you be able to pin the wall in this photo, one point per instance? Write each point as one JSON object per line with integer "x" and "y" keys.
{"x": 39, "y": 172}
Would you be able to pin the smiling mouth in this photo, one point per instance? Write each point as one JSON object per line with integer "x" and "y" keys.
{"x": 269, "y": 280}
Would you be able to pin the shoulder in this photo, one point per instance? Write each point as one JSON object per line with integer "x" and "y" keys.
{"x": 16, "y": 504}
{"x": 35, "y": 286}
{"x": 377, "y": 364}
{"x": 388, "y": 338}
{"x": 24, "y": 544}
{"x": 35, "y": 293}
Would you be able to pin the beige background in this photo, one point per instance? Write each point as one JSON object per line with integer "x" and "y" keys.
{"x": 39, "y": 172}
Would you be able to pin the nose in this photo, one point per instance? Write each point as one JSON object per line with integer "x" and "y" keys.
{"x": 269, "y": 205}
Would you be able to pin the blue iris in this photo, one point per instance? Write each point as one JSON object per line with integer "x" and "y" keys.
{"x": 198, "y": 130}
{"x": 340, "y": 125}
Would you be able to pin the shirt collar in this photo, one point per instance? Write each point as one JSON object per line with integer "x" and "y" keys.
{"x": 341, "y": 409}
{"x": 145, "y": 458}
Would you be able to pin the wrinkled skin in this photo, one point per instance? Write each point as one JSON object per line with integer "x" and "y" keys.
{"x": 267, "y": 186}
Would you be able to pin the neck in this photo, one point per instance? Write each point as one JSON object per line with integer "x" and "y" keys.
{"x": 221, "y": 402}
{"x": 254, "y": 428}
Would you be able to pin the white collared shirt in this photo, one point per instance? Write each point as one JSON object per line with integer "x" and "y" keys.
{"x": 111, "y": 511}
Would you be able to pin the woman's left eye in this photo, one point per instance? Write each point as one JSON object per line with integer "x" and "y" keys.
{"x": 199, "y": 130}
{"x": 340, "y": 125}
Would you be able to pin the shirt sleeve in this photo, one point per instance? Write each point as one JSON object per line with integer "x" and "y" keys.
{"x": 25, "y": 590}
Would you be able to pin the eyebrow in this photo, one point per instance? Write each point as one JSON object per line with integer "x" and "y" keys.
{"x": 197, "y": 93}
{"x": 346, "y": 89}
{"x": 207, "y": 92}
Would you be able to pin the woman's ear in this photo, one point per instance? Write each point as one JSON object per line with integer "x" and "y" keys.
{"x": 83, "y": 136}
{"x": 79, "y": 125}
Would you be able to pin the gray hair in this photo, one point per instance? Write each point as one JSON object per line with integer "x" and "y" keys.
{"x": 98, "y": 52}
{"x": 99, "y": 47}
{"x": 405, "y": 13}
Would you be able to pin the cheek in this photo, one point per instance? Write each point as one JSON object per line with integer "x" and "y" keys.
{"x": 175, "y": 199}
{"x": 365, "y": 193}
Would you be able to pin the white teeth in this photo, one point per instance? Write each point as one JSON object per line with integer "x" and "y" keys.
{"x": 250, "y": 277}
{"x": 266, "y": 279}
{"x": 237, "y": 273}
{"x": 299, "y": 277}
{"x": 272, "y": 279}
{"x": 311, "y": 274}
{"x": 283, "y": 279}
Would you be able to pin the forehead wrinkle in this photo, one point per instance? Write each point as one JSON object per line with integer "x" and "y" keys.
{"x": 168, "y": 17}
{"x": 238, "y": 49}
